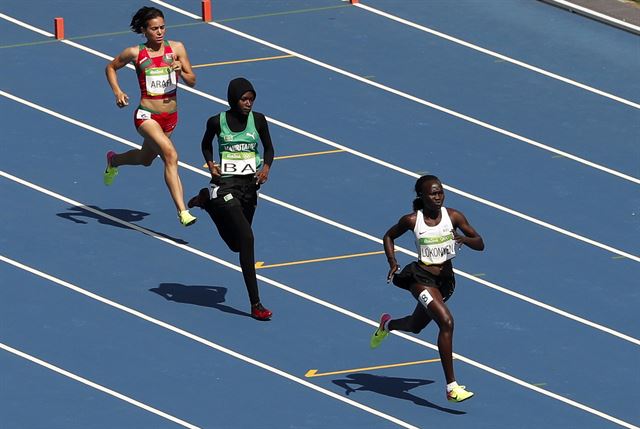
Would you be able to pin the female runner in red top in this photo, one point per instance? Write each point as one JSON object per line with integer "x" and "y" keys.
{"x": 159, "y": 63}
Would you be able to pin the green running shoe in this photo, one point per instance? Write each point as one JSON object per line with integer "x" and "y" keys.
{"x": 380, "y": 333}
{"x": 186, "y": 218}
{"x": 111, "y": 172}
{"x": 459, "y": 394}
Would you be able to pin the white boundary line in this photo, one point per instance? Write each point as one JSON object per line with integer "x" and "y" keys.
{"x": 497, "y": 55}
{"x": 340, "y": 226}
{"x": 82, "y": 379}
{"x": 287, "y": 289}
{"x": 408, "y": 96}
{"x": 367, "y": 157}
{"x": 177, "y": 330}
{"x": 594, "y": 15}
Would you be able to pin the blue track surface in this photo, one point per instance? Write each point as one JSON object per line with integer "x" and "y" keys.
{"x": 546, "y": 317}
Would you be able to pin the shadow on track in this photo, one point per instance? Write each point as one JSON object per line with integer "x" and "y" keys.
{"x": 76, "y": 213}
{"x": 205, "y": 296}
{"x": 390, "y": 386}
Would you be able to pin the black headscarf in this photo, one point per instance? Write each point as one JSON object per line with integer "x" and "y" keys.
{"x": 237, "y": 87}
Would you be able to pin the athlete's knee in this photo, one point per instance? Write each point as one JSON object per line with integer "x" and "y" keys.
{"x": 231, "y": 241}
{"x": 247, "y": 238}
{"x": 170, "y": 156}
{"x": 446, "y": 323}
{"x": 244, "y": 243}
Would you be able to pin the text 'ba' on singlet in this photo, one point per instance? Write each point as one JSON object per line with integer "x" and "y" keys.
{"x": 238, "y": 151}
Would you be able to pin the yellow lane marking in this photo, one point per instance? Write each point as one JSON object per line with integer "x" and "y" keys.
{"x": 309, "y": 154}
{"x": 618, "y": 257}
{"x": 314, "y": 372}
{"x": 479, "y": 274}
{"x": 249, "y": 60}
{"x": 308, "y": 261}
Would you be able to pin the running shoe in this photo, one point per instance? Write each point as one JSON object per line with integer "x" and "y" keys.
{"x": 259, "y": 312}
{"x": 111, "y": 172}
{"x": 380, "y": 333}
{"x": 186, "y": 218}
{"x": 459, "y": 394}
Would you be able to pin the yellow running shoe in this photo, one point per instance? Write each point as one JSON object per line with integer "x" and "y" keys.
{"x": 459, "y": 394}
{"x": 380, "y": 333}
{"x": 111, "y": 172}
{"x": 186, "y": 218}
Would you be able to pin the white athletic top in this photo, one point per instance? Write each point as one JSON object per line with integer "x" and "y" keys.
{"x": 435, "y": 243}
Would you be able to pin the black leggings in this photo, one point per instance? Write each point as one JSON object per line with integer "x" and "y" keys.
{"x": 233, "y": 217}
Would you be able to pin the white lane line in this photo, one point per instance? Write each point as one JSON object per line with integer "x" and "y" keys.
{"x": 409, "y": 96}
{"x": 471, "y": 277}
{"x": 497, "y": 55}
{"x": 180, "y": 331}
{"x": 595, "y": 14}
{"x": 340, "y": 226}
{"x": 89, "y": 382}
{"x": 376, "y": 160}
{"x": 287, "y": 289}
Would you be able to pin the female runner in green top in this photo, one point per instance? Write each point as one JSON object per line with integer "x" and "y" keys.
{"x": 233, "y": 194}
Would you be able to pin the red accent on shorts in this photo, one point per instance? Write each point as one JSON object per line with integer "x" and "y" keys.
{"x": 167, "y": 121}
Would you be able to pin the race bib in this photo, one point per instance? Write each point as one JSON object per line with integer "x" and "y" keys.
{"x": 160, "y": 80}
{"x": 437, "y": 250}
{"x": 238, "y": 163}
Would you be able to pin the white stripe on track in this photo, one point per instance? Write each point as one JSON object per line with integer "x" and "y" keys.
{"x": 286, "y": 288}
{"x": 337, "y": 225}
{"x": 393, "y": 167}
{"x": 175, "y": 329}
{"x": 82, "y": 379}
{"x": 408, "y": 96}
{"x": 595, "y": 14}
{"x": 373, "y": 159}
{"x": 497, "y": 55}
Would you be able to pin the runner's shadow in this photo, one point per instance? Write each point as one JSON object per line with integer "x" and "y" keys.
{"x": 205, "y": 296}
{"x": 390, "y": 386}
{"x": 78, "y": 212}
